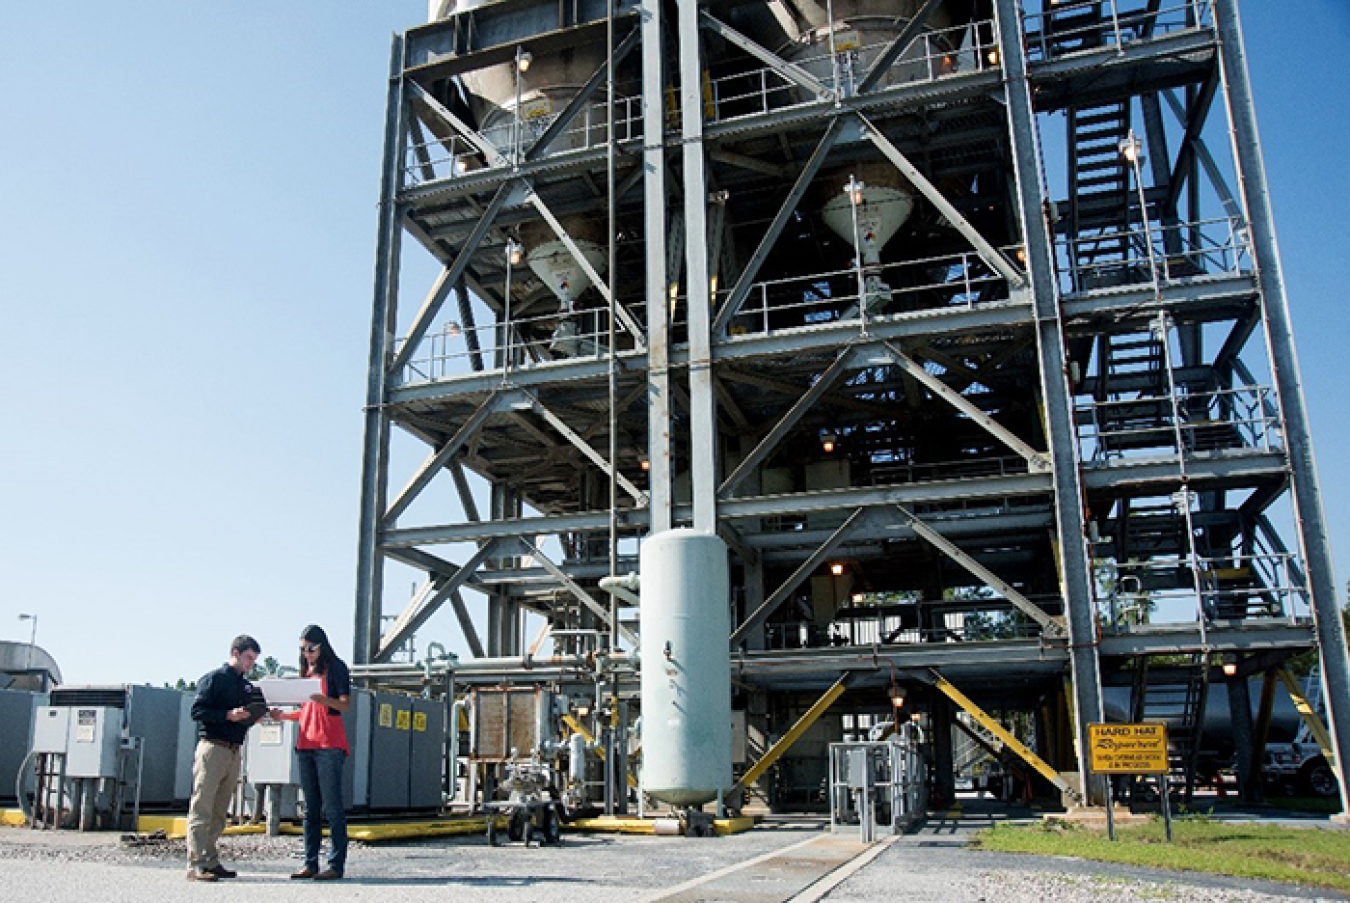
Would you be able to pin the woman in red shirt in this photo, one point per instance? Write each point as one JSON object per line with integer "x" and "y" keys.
{"x": 321, "y": 749}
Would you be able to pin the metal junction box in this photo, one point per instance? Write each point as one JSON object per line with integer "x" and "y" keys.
{"x": 93, "y": 742}
{"x": 51, "y": 724}
{"x": 270, "y": 754}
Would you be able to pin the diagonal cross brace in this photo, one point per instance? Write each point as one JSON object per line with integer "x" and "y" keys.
{"x": 449, "y": 277}
{"x": 584, "y": 447}
{"x": 766, "y": 445}
{"x": 579, "y": 100}
{"x": 442, "y": 456}
{"x": 1036, "y": 460}
{"x": 794, "y": 733}
{"x": 1008, "y": 740}
{"x": 790, "y": 71}
{"x": 1198, "y": 147}
{"x": 601, "y": 286}
{"x": 432, "y": 595}
{"x": 441, "y": 112}
{"x": 1049, "y": 625}
{"x": 988, "y": 253}
{"x": 897, "y": 46}
{"x": 743, "y": 285}
{"x": 770, "y": 605}
{"x": 572, "y": 587}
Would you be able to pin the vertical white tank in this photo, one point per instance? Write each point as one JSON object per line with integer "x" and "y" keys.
{"x": 686, "y": 667}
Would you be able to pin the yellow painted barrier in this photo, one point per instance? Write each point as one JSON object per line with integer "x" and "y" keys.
{"x": 617, "y": 824}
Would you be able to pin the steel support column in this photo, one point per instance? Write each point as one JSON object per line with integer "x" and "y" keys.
{"x": 703, "y": 468}
{"x": 1312, "y": 529}
{"x": 384, "y": 318}
{"x": 658, "y": 281}
{"x": 1075, "y": 568}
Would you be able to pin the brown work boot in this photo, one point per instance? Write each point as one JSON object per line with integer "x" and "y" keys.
{"x": 202, "y": 875}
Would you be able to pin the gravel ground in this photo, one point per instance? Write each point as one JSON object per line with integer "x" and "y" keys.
{"x": 932, "y": 864}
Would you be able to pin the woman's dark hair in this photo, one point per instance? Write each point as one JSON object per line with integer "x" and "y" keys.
{"x": 314, "y": 635}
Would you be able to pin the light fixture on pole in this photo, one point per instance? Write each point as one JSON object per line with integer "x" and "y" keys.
{"x": 1132, "y": 151}
{"x": 523, "y": 60}
{"x": 837, "y": 569}
{"x": 1130, "y": 147}
{"x": 853, "y": 190}
{"x": 897, "y": 694}
{"x": 514, "y": 254}
{"x": 32, "y": 639}
{"x": 1230, "y": 665}
{"x": 828, "y": 442}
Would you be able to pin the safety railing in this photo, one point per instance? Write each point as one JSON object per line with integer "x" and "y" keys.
{"x": 458, "y": 155}
{"x": 1180, "y": 590}
{"x": 889, "y": 627}
{"x": 860, "y": 296}
{"x": 1158, "y": 255}
{"x": 876, "y": 293}
{"x": 930, "y": 56}
{"x": 1189, "y": 424}
{"x": 888, "y": 473}
{"x": 1067, "y": 28}
{"x": 454, "y": 350}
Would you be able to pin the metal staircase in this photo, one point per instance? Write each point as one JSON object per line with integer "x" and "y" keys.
{"x": 1133, "y": 364}
{"x": 1180, "y": 703}
{"x": 1152, "y": 530}
{"x": 1077, "y": 28}
{"x": 1099, "y": 201}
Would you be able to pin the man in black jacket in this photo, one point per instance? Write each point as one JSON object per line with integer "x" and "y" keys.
{"x": 223, "y": 716}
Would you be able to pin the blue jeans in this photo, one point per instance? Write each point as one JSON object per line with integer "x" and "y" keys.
{"x": 321, "y": 782}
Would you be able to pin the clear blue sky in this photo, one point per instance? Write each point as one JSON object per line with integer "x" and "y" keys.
{"x": 186, "y": 247}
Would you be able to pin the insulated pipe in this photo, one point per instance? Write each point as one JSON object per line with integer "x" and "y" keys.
{"x": 19, "y": 788}
{"x": 625, "y": 588}
{"x": 456, "y": 710}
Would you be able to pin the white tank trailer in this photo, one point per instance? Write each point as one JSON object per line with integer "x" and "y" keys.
{"x": 686, "y": 668}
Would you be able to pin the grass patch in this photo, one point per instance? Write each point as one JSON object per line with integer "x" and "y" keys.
{"x": 1312, "y": 857}
{"x": 1317, "y": 805}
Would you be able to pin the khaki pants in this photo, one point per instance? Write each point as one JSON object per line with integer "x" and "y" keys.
{"x": 215, "y": 772}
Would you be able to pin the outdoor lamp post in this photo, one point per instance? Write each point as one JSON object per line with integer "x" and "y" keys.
{"x": 32, "y": 639}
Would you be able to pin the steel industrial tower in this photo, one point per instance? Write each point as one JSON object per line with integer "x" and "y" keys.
{"x": 961, "y": 322}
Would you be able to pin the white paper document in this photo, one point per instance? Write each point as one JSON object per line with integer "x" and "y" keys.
{"x": 289, "y": 690}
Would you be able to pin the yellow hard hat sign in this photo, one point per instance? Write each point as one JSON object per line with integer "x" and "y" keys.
{"x": 1128, "y": 748}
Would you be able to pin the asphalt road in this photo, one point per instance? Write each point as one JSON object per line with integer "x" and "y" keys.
{"x": 933, "y": 863}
